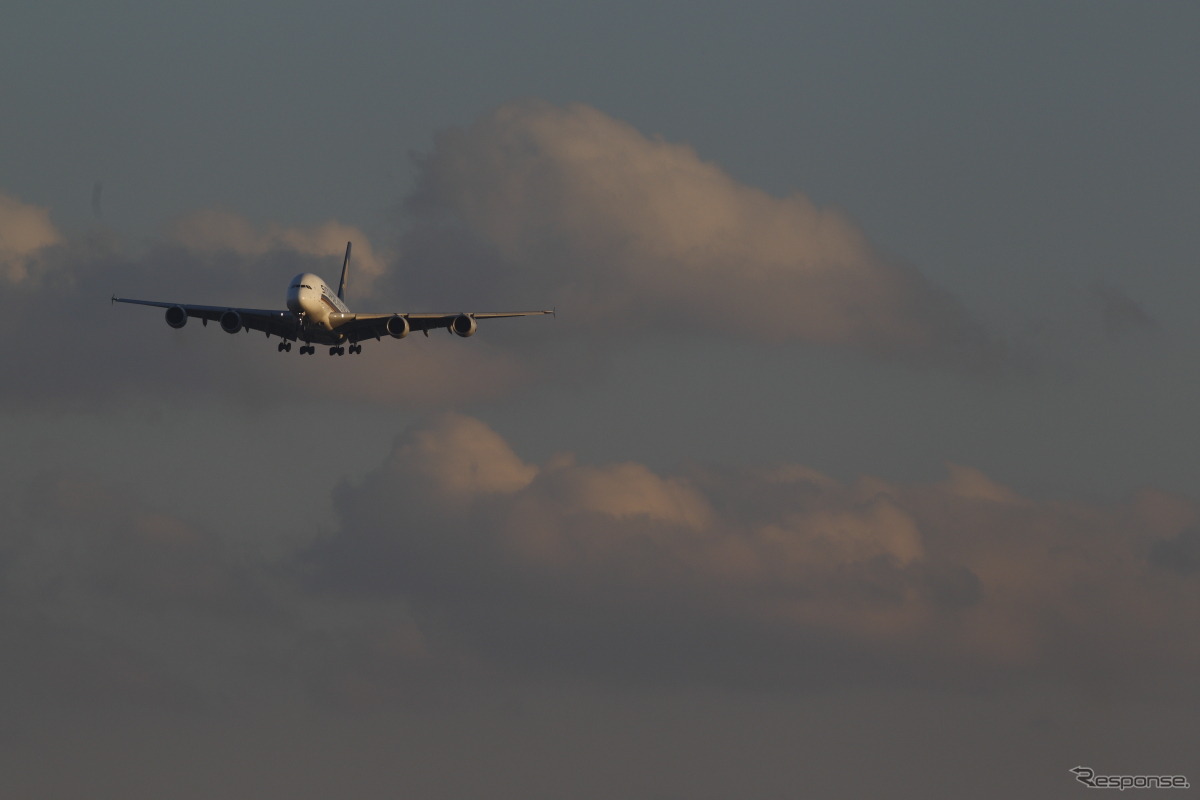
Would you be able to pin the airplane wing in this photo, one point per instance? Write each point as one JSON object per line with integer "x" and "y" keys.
{"x": 375, "y": 326}
{"x": 279, "y": 323}
{"x": 355, "y": 327}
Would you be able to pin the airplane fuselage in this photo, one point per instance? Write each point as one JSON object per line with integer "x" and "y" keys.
{"x": 312, "y": 301}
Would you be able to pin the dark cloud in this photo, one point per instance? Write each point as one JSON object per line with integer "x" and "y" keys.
{"x": 472, "y": 604}
{"x": 1180, "y": 553}
{"x": 114, "y": 546}
{"x": 110, "y": 601}
{"x": 1120, "y": 314}
{"x": 456, "y": 559}
{"x": 776, "y": 574}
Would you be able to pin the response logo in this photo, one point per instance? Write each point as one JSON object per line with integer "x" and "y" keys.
{"x": 1088, "y": 777}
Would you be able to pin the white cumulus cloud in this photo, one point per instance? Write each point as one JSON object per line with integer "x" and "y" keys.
{"x": 635, "y": 231}
{"x": 24, "y": 230}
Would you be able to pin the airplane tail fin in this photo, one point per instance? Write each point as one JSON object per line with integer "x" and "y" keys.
{"x": 342, "y": 282}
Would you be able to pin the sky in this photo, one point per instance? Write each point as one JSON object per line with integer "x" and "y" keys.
{"x": 855, "y": 462}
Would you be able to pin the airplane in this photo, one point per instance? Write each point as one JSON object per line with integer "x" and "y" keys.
{"x": 315, "y": 314}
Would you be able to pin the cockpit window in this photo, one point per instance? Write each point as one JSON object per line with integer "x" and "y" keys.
{"x": 301, "y": 286}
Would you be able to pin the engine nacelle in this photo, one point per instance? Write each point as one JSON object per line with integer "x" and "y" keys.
{"x": 464, "y": 325}
{"x": 231, "y": 321}
{"x": 176, "y": 316}
{"x": 397, "y": 327}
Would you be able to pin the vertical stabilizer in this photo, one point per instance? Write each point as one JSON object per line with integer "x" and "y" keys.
{"x": 342, "y": 282}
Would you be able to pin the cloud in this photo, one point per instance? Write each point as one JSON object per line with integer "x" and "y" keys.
{"x": 110, "y": 601}
{"x": 532, "y": 205}
{"x": 1180, "y": 552}
{"x": 1121, "y": 315}
{"x": 217, "y": 231}
{"x": 632, "y": 232}
{"x": 457, "y": 558}
{"x": 120, "y": 548}
{"x": 460, "y": 457}
{"x": 56, "y": 303}
{"x": 780, "y": 571}
{"x": 25, "y": 230}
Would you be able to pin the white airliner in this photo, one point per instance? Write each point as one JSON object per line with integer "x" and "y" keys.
{"x": 315, "y": 314}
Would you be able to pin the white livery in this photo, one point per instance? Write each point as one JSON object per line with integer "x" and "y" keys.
{"x": 316, "y": 315}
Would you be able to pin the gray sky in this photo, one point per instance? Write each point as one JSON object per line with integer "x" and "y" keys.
{"x": 859, "y": 459}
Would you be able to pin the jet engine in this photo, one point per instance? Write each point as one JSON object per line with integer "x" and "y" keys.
{"x": 464, "y": 325}
{"x": 176, "y": 316}
{"x": 397, "y": 327}
{"x": 231, "y": 321}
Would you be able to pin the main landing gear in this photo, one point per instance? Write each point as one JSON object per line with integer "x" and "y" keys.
{"x": 309, "y": 349}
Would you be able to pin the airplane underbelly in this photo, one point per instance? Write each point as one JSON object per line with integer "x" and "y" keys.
{"x": 316, "y": 334}
{"x": 317, "y": 316}
{"x": 320, "y": 313}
